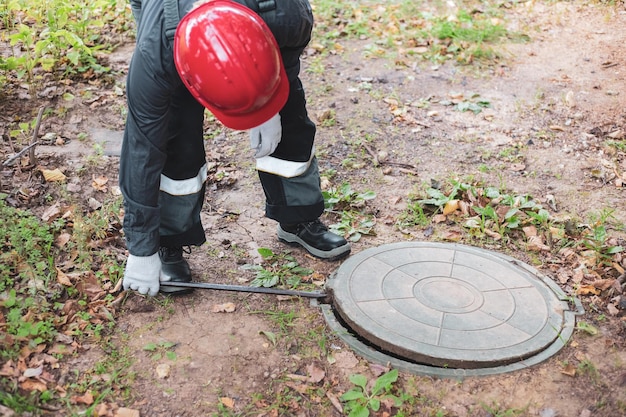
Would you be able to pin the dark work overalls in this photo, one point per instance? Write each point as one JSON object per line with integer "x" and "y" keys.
{"x": 163, "y": 167}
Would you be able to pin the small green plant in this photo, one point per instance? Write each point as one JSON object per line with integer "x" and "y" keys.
{"x": 277, "y": 269}
{"x": 439, "y": 198}
{"x": 596, "y": 237}
{"x": 347, "y": 203}
{"x": 474, "y": 105}
{"x": 586, "y": 367}
{"x": 496, "y": 410}
{"x": 344, "y": 197}
{"x": 589, "y": 329}
{"x": 161, "y": 349}
{"x": 412, "y": 216}
{"x": 620, "y": 145}
{"x": 360, "y": 399}
{"x": 353, "y": 226}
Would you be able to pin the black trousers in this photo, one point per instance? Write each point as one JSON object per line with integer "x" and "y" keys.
{"x": 163, "y": 166}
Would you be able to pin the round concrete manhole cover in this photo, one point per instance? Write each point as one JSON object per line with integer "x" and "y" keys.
{"x": 449, "y": 306}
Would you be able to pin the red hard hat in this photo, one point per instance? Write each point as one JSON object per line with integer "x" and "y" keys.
{"x": 230, "y": 62}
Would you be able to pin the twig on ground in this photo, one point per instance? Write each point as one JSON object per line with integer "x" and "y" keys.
{"x": 18, "y": 155}
{"x": 405, "y": 168}
{"x": 32, "y": 159}
{"x": 33, "y": 142}
{"x": 372, "y": 154}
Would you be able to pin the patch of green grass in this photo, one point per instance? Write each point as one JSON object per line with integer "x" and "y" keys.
{"x": 409, "y": 28}
{"x": 496, "y": 410}
{"x": 495, "y": 213}
{"x": 40, "y": 302}
{"x": 413, "y": 215}
{"x": 61, "y": 37}
{"x": 277, "y": 269}
{"x": 620, "y": 145}
{"x": 26, "y": 276}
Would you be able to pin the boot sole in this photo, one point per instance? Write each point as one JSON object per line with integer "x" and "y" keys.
{"x": 331, "y": 255}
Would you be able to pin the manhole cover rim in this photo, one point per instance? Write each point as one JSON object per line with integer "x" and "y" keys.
{"x": 554, "y": 323}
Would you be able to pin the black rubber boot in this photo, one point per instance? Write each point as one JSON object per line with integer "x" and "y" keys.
{"x": 176, "y": 267}
{"x": 315, "y": 238}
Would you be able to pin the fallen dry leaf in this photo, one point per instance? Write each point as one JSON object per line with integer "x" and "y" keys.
{"x": 493, "y": 235}
{"x": 163, "y": 370}
{"x": 100, "y": 183}
{"x": 614, "y": 311}
{"x": 451, "y": 236}
{"x": 62, "y": 278}
{"x": 450, "y": 207}
{"x": 464, "y": 207}
{"x": 535, "y": 243}
{"x": 569, "y": 370}
{"x": 439, "y": 218}
{"x": 587, "y": 290}
{"x": 302, "y": 389}
{"x": 51, "y": 213}
{"x": 86, "y": 398}
{"x": 346, "y": 360}
{"x": 33, "y": 385}
{"x": 530, "y": 231}
{"x": 227, "y": 402}
{"x": 61, "y": 349}
{"x": 33, "y": 372}
{"x": 53, "y": 175}
{"x": 105, "y": 410}
{"x": 604, "y": 284}
{"x": 224, "y": 308}
{"x": 62, "y": 239}
{"x": 126, "y": 412}
{"x": 316, "y": 374}
{"x": 9, "y": 369}
{"x": 567, "y": 253}
{"x": 334, "y": 401}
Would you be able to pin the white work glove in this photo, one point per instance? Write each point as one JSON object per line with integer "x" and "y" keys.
{"x": 143, "y": 274}
{"x": 265, "y": 138}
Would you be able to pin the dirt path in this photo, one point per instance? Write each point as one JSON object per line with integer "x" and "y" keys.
{"x": 555, "y": 102}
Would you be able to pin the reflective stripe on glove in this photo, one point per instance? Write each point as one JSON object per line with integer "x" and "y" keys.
{"x": 264, "y": 139}
{"x": 143, "y": 273}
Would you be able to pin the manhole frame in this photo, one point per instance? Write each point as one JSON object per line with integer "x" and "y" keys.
{"x": 370, "y": 352}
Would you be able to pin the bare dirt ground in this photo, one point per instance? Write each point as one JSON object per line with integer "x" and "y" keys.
{"x": 554, "y": 103}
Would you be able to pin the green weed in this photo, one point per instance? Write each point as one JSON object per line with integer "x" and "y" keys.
{"x": 353, "y": 226}
{"x": 161, "y": 349}
{"x": 596, "y": 238}
{"x": 496, "y": 410}
{"x": 413, "y": 216}
{"x": 360, "y": 400}
{"x": 347, "y": 204}
{"x": 62, "y": 37}
{"x": 277, "y": 269}
{"x": 344, "y": 197}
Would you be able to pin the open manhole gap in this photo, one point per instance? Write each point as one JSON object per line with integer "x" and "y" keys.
{"x": 373, "y": 351}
